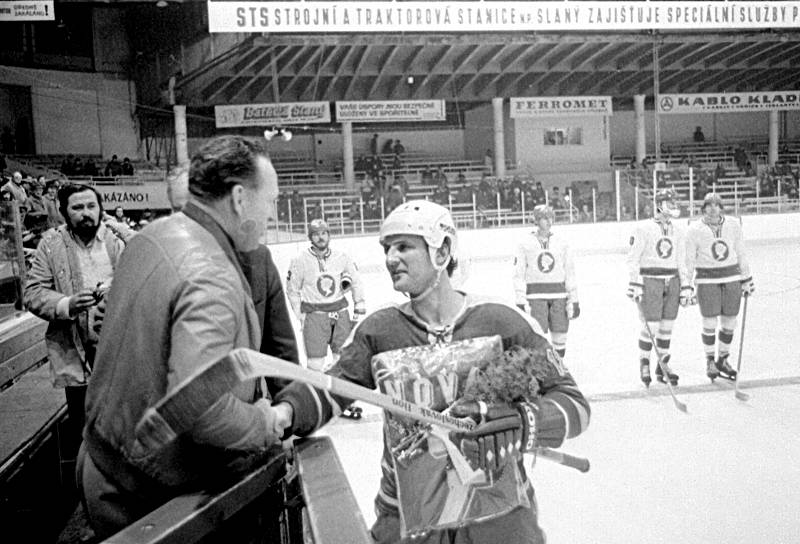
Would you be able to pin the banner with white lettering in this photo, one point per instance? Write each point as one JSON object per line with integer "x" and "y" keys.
{"x": 390, "y": 110}
{"x": 559, "y": 106}
{"x": 259, "y": 115}
{"x": 728, "y": 102}
{"x": 477, "y": 16}
{"x": 152, "y": 196}
{"x": 33, "y": 10}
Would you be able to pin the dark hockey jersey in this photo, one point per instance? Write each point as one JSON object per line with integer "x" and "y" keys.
{"x": 365, "y": 359}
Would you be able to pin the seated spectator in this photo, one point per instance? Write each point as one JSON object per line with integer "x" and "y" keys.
{"x": 441, "y": 195}
{"x": 127, "y": 167}
{"x": 119, "y": 216}
{"x": 461, "y": 179}
{"x": 394, "y": 198}
{"x": 388, "y": 147}
{"x": 698, "y": 135}
{"x": 585, "y": 216}
{"x": 426, "y": 177}
{"x": 538, "y": 194}
{"x": 400, "y": 179}
{"x": 50, "y": 199}
{"x": 15, "y": 189}
{"x": 296, "y": 202}
{"x": 625, "y": 213}
{"x": 36, "y": 216}
{"x": 488, "y": 162}
{"x": 719, "y": 172}
{"x": 113, "y": 168}
{"x": 399, "y": 148}
{"x": 77, "y": 167}
{"x": 354, "y": 211}
{"x": 397, "y": 164}
{"x": 556, "y": 202}
{"x": 90, "y": 168}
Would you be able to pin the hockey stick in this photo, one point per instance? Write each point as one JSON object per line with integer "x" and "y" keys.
{"x": 678, "y": 404}
{"x": 178, "y": 410}
{"x": 741, "y": 395}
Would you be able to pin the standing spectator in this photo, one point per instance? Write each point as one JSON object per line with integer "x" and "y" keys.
{"x": 113, "y": 168}
{"x": 698, "y": 135}
{"x": 77, "y": 167}
{"x": 538, "y": 194}
{"x": 36, "y": 216}
{"x": 585, "y": 215}
{"x": 90, "y": 168}
{"x": 556, "y": 201}
{"x": 397, "y": 164}
{"x": 395, "y": 198}
{"x": 399, "y": 149}
{"x": 127, "y": 167}
{"x": 66, "y": 167}
{"x": 119, "y": 216}
{"x": 373, "y": 145}
{"x": 488, "y": 162}
{"x": 54, "y": 217}
{"x": 388, "y": 147}
{"x": 157, "y": 333}
{"x": 16, "y": 190}
{"x": 71, "y": 271}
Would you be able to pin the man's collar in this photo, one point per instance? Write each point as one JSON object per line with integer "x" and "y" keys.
{"x": 211, "y": 212}
{"x": 99, "y": 235}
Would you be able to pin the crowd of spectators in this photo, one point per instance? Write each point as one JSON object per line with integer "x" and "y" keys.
{"x": 73, "y": 166}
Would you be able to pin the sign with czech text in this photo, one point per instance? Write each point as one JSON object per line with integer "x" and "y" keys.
{"x": 390, "y": 110}
{"x": 478, "y": 16}
{"x": 729, "y": 102}
{"x": 144, "y": 196}
{"x": 559, "y": 106}
{"x": 33, "y": 10}
{"x": 260, "y": 115}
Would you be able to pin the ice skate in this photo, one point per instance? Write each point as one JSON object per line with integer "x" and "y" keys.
{"x": 711, "y": 369}
{"x": 352, "y": 412}
{"x": 644, "y": 370}
{"x": 664, "y": 366}
{"x": 725, "y": 370}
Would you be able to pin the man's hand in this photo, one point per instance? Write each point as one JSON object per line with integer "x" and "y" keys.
{"x": 635, "y": 292}
{"x": 499, "y": 438}
{"x": 81, "y": 301}
{"x": 573, "y": 310}
{"x": 748, "y": 287}
{"x": 687, "y": 296}
{"x": 278, "y": 419}
{"x": 99, "y": 316}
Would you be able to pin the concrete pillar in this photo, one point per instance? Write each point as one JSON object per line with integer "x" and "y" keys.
{"x": 774, "y": 117}
{"x": 499, "y": 138}
{"x": 638, "y": 114}
{"x": 347, "y": 155}
{"x": 181, "y": 145}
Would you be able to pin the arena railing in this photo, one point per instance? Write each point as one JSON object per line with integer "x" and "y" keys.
{"x": 297, "y": 496}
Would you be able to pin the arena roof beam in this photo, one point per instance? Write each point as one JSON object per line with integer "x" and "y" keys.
{"x": 599, "y": 82}
{"x": 745, "y": 55}
{"x": 461, "y": 62}
{"x": 700, "y": 84}
{"x": 387, "y": 59}
{"x": 768, "y": 52}
{"x": 677, "y": 54}
{"x": 298, "y": 73}
{"x": 712, "y": 61}
{"x": 789, "y": 58}
{"x": 597, "y": 52}
{"x": 696, "y": 57}
{"x": 357, "y": 69}
{"x": 240, "y": 68}
{"x": 790, "y": 76}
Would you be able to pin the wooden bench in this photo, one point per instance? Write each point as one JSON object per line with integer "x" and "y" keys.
{"x": 312, "y": 497}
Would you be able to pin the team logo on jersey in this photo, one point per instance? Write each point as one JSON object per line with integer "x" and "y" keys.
{"x": 326, "y": 285}
{"x": 545, "y": 261}
{"x": 664, "y": 248}
{"x": 719, "y": 250}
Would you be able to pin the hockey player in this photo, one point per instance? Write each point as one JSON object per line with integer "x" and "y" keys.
{"x": 658, "y": 282}
{"x": 317, "y": 282}
{"x": 544, "y": 277}
{"x": 716, "y": 257}
{"x": 420, "y": 243}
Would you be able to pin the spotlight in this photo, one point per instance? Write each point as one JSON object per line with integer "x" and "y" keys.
{"x": 287, "y": 135}
{"x": 410, "y": 80}
{"x": 269, "y": 134}
{"x": 162, "y": 3}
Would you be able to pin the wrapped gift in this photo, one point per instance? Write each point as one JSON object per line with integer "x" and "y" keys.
{"x": 431, "y": 494}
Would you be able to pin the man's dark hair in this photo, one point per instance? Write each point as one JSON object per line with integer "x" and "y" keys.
{"x": 223, "y": 162}
{"x": 70, "y": 189}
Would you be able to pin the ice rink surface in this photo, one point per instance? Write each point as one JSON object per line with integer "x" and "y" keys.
{"x": 726, "y": 472}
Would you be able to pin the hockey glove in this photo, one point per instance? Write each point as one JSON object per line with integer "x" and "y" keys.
{"x": 748, "y": 287}
{"x": 635, "y": 292}
{"x": 501, "y": 436}
{"x": 573, "y": 310}
{"x": 687, "y": 296}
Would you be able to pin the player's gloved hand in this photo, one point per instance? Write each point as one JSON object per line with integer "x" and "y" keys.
{"x": 276, "y": 420}
{"x": 501, "y": 435}
{"x": 748, "y": 287}
{"x": 573, "y": 310}
{"x": 635, "y": 292}
{"x": 345, "y": 281}
{"x": 687, "y": 296}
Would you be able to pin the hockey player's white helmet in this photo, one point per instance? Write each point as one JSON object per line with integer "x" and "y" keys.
{"x": 317, "y": 225}
{"x": 543, "y": 211}
{"x": 426, "y": 219}
{"x": 667, "y": 195}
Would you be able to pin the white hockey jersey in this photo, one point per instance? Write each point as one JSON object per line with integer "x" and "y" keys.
{"x": 657, "y": 250}
{"x": 715, "y": 253}
{"x": 319, "y": 283}
{"x": 544, "y": 270}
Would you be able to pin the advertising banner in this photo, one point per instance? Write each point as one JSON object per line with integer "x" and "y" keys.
{"x": 476, "y": 16}
{"x": 260, "y": 115}
{"x": 728, "y": 102}
{"x": 559, "y": 106}
{"x": 34, "y": 10}
{"x": 390, "y": 110}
